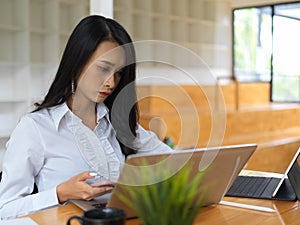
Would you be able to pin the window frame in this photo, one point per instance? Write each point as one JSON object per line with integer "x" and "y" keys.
{"x": 233, "y": 52}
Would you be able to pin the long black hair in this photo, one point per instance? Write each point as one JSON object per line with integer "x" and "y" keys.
{"x": 83, "y": 42}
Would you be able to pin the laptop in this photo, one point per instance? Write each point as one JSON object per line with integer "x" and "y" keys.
{"x": 281, "y": 187}
{"x": 220, "y": 166}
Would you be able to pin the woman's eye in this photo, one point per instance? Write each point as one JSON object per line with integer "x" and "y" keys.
{"x": 104, "y": 69}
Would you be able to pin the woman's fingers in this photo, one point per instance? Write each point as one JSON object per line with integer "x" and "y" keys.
{"x": 77, "y": 188}
{"x": 98, "y": 191}
{"x": 85, "y": 175}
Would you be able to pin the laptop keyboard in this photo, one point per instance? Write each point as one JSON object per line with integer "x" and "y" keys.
{"x": 250, "y": 186}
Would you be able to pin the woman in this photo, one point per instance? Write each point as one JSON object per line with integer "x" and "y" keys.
{"x": 85, "y": 126}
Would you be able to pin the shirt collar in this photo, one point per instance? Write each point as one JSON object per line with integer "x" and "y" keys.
{"x": 101, "y": 111}
{"x": 58, "y": 112}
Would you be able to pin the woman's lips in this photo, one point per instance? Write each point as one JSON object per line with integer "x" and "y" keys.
{"x": 105, "y": 94}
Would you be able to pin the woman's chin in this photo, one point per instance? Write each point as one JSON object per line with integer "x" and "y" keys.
{"x": 100, "y": 99}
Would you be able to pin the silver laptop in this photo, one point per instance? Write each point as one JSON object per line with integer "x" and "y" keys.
{"x": 221, "y": 166}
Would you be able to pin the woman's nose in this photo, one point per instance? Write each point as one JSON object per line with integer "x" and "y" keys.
{"x": 110, "y": 81}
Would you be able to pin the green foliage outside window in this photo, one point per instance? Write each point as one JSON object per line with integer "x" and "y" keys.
{"x": 266, "y": 48}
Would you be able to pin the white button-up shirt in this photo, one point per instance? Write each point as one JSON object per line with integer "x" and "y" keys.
{"x": 50, "y": 146}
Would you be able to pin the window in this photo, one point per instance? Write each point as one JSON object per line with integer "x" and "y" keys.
{"x": 252, "y": 44}
{"x": 266, "y": 48}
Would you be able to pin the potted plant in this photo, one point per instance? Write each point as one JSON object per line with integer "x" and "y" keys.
{"x": 173, "y": 199}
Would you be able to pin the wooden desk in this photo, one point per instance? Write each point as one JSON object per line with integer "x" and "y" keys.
{"x": 288, "y": 213}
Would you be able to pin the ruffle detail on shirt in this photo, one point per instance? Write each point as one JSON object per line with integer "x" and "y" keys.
{"x": 105, "y": 133}
{"x": 90, "y": 148}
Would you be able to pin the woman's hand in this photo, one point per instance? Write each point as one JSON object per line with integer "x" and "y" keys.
{"x": 77, "y": 188}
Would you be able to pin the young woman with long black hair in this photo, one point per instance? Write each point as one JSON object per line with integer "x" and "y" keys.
{"x": 86, "y": 125}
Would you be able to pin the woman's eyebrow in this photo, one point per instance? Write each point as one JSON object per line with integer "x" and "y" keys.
{"x": 107, "y": 62}
{"x": 112, "y": 64}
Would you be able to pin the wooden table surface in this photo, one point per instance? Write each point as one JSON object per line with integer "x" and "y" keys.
{"x": 287, "y": 213}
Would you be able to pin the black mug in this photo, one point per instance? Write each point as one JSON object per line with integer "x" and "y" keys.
{"x": 102, "y": 216}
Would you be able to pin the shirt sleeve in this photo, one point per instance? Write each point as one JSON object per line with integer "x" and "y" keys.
{"x": 147, "y": 142}
{"x": 24, "y": 157}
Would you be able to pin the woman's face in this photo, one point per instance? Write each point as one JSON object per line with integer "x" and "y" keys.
{"x": 101, "y": 74}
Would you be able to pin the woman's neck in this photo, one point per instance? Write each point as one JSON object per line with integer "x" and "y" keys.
{"x": 86, "y": 111}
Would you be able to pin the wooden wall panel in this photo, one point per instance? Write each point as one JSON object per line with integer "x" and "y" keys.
{"x": 187, "y": 113}
{"x": 253, "y": 93}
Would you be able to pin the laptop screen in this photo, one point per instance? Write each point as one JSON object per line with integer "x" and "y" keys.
{"x": 294, "y": 174}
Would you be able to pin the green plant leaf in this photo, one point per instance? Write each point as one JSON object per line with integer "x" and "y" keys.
{"x": 175, "y": 200}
